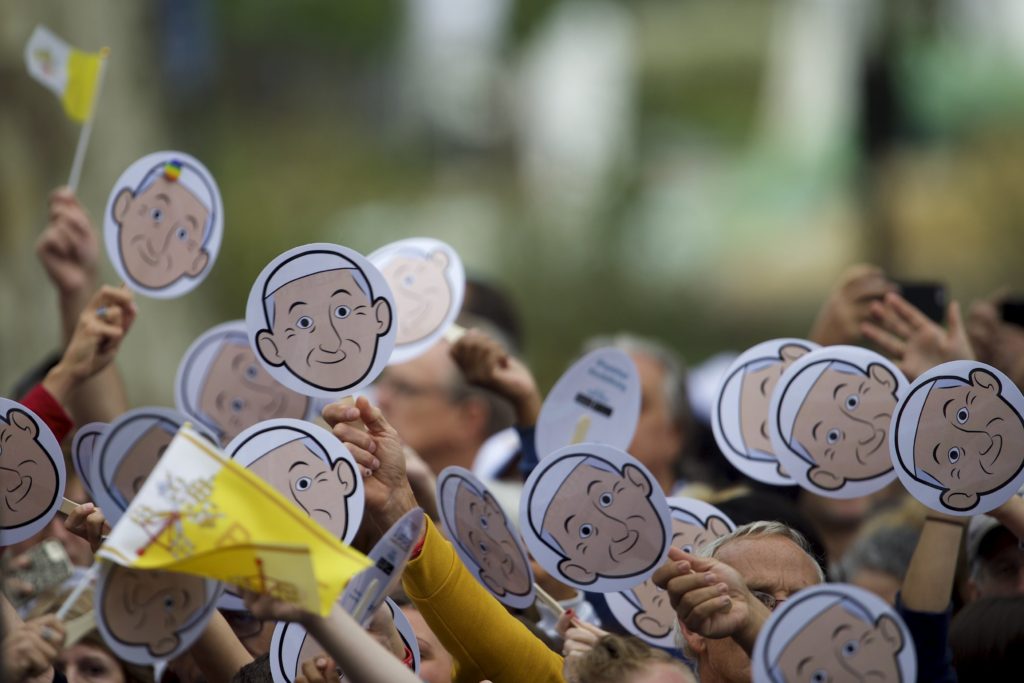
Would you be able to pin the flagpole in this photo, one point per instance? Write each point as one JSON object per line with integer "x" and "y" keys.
{"x": 86, "y": 132}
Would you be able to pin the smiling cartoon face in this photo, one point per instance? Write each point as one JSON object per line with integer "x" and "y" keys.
{"x": 161, "y": 234}
{"x": 237, "y": 393}
{"x": 27, "y": 474}
{"x": 422, "y": 294}
{"x": 481, "y": 531}
{"x": 140, "y": 459}
{"x": 324, "y": 328}
{"x": 601, "y": 523}
{"x": 151, "y": 608}
{"x": 838, "y": 645}
{"x": 756, "y": 395}
{"x": 842, "y": 425}
{"x": 969, "y": 439}
{"x": 307, "y": 481}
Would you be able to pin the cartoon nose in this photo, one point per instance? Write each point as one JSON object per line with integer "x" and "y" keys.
{"x": 330, "y": 340}
{"x": 983, "y": 442}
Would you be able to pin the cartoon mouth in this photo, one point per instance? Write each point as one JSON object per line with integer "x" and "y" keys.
{"x": 146, "y": 252}
{"x": 24, "y": 485}
{"x": 877, "y": 438}
{"x": 341, "y": 355}
{"x": 625, "y": 544}
{"x": 995, "y": 445}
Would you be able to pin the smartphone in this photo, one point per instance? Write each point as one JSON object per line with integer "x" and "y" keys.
{"x": 50, "y": 566}
{"x": 927, "y": 297}
{"x": 1012, "y": 311}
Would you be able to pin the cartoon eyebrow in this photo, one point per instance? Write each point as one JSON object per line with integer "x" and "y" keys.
{"x": 946, "y": 405}
{"x": 567, "y": 520}
{"x": 840, "y": 629}
{"x": 297, "y": 303}
{"x": 192, "y": 220}
{"x": 835, "y": 392}
{"x": 862, "y": 389}
{"x": 592, "y": 485}
{"x": 297, "y": 463}
{"x": 802, "y": 664}
{"x": 814, "y": 430}
{"x": 970, "y": 398}
{"x": 164, "y": 198}
{"x": 341, "y": 291}
{"x": 935, "y": 454}
{"x": 761, "y": 387}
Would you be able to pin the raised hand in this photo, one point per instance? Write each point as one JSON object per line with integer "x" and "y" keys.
{"x": 87, "y": 522}
{"x": 69, "y": 248}
{"x": 486, "y": 363}
{"x": 30, "y": 649}
{"x": 849, "y": 304}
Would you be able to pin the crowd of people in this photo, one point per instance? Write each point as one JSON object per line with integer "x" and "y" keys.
{"x": 956, "y": 581}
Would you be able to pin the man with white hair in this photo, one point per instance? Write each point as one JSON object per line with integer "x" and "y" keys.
{"x": 724, "y": 595}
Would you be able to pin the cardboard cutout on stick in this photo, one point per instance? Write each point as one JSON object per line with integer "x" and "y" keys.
{"x": 484, "y": 537}
{"x": 829, "y": 420}
{"x": 596, "y": 400}
{"x": 957, "y": 438}
{"x": 834, "y": 632}
{"x": 595, "y": 518}
{"x": 221, "y": 384}
{"x": 150, "y": 615}
{"x": 428, "y": 282}
{"x": 645, "y": 610}
{"x": 740, "y": 415}
{"x": 32, "y": 473}
{"x": 321, "y": 320}
{"x": 163, "y": 224}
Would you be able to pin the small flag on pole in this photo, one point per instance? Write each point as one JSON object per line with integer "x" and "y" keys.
{"x": 202, "y": 513}
{"x": 72, "y": 75}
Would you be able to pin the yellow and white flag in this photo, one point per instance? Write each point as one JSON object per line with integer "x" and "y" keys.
{"x": 71, "y": 74}
{"x": 201, "y": 513}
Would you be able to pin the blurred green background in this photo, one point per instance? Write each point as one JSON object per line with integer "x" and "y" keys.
{"x": 696, "y": 170}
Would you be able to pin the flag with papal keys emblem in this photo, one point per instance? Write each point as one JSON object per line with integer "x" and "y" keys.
{"x": 200, "y": 512}
{"x": 72, "y": 75}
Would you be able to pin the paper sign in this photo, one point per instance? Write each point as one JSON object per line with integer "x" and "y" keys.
{"x": 83, "y": 449}
{"x": 833, "y": 632}
{"x": 597, "y": 400}
{"x": 221, "y": 385}
{"x": 740, "y": 415}
{"x": 595, "y": 518}
{"x": 428, "y": 282}
{"x": 484, "y": 537}
{"x": 829, "y": 420}
{"x": 645, "y": 610}
{"x": 957, "y": 440}
{"x": 149, "y": 615}
{"x": 321, "y": 319}
{"x": 163, "y": 224}
{"x": 364, "y": 593}
{"x": 291, "y": 646}
{"x": 126, "y": 453}
{"x": 32, "y": 473}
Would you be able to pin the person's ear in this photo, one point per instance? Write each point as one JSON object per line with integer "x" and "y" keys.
{"x": 983, "y": 379}
{"x": 790, "y": 352}
{"x": 21, "y": 420}
{"x": 198, "y": 263}
{"x": 717, "y": 526}
{"x": 636, "y": 476}
{"x": 577, "y": 573}
{"x": 491, "y": 584}
{"x": 959, "y": 500}
{"x": 346, "y": 475}
{"x": 122, "y": 203}
{"x": 165, "y": 645}
{"x": 825, "y": 479}
{"x": 382, "y": 310}
{"x": 695, "y": 641}
{"x": 267, "y": 347}
{"x": 883, "y": 376}
{"x": 438, "y": 258}
{"x": 890, "y": 631}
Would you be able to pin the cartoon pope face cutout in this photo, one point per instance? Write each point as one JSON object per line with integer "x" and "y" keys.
{"x": 428, "y": 282}
{"x": 485, "y": 537}
{"x": 83, "y": 450}
{"x": 150, "y": 615}
{"x": 957, "y": 439}
{"x": 740, "y": 416}
{"x": 32, "y": 473}
{"x": 163, "y": 224}
{"x": 596, "y": 400}
{"x": 595, "y": 518}
{"x": 829, "y": 420}
{"x": 127, "y": 452}
{"x": 645, "y": 610}
{"x": 291, "y": 646}
{"x": 834, "y": 632}
{"x": 321, "y": 319}
{"x": 221, "y": 384}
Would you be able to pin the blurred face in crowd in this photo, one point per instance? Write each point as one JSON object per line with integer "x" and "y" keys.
{"x": 85, "y": 663}
{"x": 658, "y": 440}
{"x": 435, "y": 662}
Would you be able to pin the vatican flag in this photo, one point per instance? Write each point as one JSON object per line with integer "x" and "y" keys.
{"x": 201, "y": 513}
{"x": 71, "y": 74}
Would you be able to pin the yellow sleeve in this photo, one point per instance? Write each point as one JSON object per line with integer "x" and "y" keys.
{"x": 485, "y": 641}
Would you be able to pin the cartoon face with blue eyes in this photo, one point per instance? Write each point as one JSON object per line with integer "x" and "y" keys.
{"x": 238, "y": 393}
{"x": 482, "y": 532}
{"x": 841, "y": 645}
{"x": 842, "y": 425}
{"x": 969, "y": 439}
